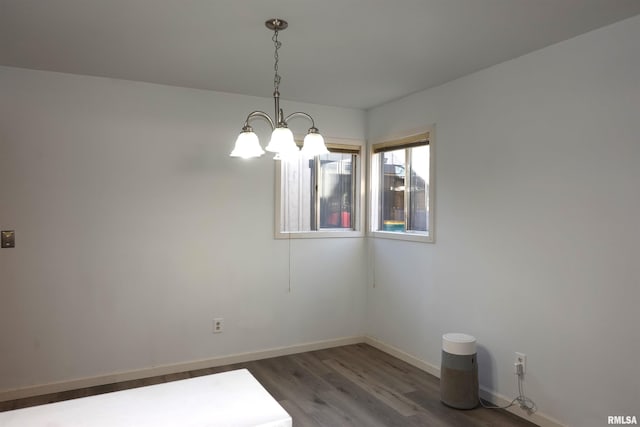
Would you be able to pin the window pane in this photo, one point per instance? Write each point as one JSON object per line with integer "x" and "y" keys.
{"x": 335, "y": 190}
{"x": 400, "y": 188}
{"x": 419, "y": 189}
{"x": 392, "y": 191}
{"x": 318, "y": 193}
{"x": 296, "y": 195}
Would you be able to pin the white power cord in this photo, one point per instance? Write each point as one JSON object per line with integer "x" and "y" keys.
{"x": 524, "y": 402}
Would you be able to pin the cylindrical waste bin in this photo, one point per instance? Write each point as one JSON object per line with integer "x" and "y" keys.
{"x": 459, "y": 371}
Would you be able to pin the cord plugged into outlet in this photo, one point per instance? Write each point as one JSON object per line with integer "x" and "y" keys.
{"x": 519, "y": 368}
{"x": 520, "y": 363}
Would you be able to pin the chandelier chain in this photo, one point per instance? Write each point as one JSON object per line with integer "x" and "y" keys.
{"x": 282, "y": 141}
{"x": 276, "y": 77}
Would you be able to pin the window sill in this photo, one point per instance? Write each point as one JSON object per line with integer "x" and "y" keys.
{"x": 396, "y": 235}
{"x": 323, "y": 234}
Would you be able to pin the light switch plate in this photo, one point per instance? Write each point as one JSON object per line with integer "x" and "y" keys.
{"x": 8, "y": 239}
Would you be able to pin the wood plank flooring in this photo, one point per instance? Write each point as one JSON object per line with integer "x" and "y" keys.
{"x": 354, "y": 385}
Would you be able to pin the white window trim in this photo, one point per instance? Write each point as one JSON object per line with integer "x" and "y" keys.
{"x": 360, "y": 192}
{"x": 411, "y": 236}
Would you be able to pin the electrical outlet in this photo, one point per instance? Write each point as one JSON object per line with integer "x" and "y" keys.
{"x": 218, "y": 325}
{"x": 521, "y": 359}
{"x": 8, "y": 238}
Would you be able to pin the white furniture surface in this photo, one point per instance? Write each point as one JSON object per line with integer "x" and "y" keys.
{"x": 232, "y": 398}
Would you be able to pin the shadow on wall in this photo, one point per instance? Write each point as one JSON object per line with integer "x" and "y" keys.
{"x": 486, "y": 368}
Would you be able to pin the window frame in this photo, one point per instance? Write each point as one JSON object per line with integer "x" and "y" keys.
{"x": 405, "y": 141}
{"x": 359, "y": 195}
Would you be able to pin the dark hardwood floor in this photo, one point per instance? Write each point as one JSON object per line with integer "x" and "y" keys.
{"x": 354, "y": 385}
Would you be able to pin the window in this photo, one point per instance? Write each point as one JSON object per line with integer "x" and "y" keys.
{"x": 401, "y": 194}
{"x": 320, "y": 197}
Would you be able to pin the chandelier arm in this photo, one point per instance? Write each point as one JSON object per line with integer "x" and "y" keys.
{"x": 261, "y": 114}
{"x": 282, "y": 141}
{"x": 300, "y": 114}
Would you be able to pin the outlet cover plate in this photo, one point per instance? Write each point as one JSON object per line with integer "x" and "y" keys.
{"x": 8, "y": 239}
{"x": 522, "y": 358}
{"x": 218, "y": 325}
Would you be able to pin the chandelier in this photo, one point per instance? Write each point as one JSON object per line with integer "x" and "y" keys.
{"x": 282, "y": 142}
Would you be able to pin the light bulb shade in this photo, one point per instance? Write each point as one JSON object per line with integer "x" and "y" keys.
{"x": 314, "y": 145}
{"x": 247, "y": 146}
{"x": 282, "y": 141}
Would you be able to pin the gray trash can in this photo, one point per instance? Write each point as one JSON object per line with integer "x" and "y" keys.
{"x": 459, "y": 371}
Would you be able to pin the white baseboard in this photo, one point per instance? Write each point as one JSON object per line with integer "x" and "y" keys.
{"x": 538, "y": 418}
{"x": 37, "y": 390}
{"x": 57, "y": 387}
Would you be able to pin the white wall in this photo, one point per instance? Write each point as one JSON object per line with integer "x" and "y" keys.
{"x": 134, "y": 229}
{"x": 537, "y": 226}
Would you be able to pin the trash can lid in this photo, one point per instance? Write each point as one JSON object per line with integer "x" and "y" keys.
{"x": 462, "y": 344}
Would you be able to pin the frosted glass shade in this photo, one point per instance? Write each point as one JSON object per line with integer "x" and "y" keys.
{"x": 282, "y": 141}
{"x": 314, "y": 145}
{"x": 247, "y": 146}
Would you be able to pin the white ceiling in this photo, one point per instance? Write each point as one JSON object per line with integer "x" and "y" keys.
{"x": 352, "y": 53}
